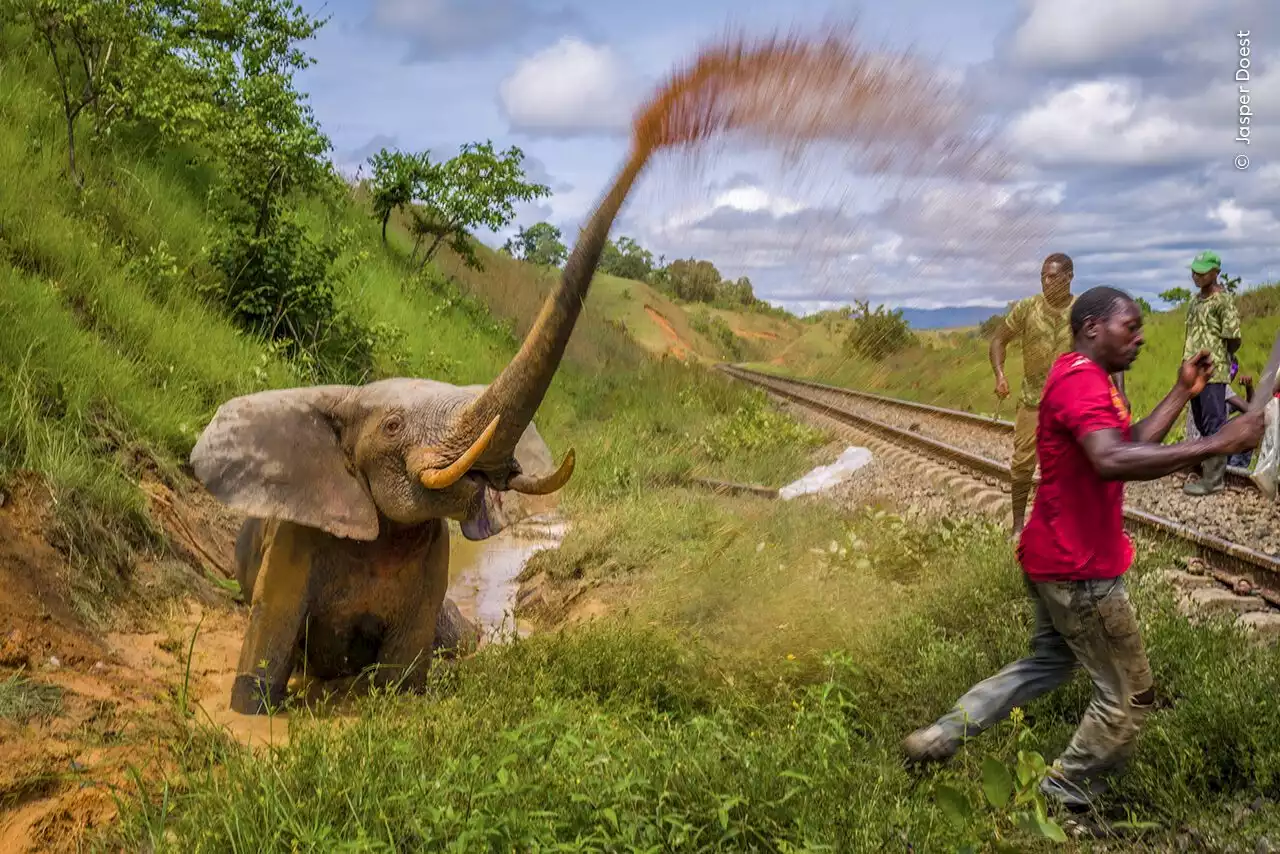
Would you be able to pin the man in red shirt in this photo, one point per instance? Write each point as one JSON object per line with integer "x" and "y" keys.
{"x": 1074, "y": 550}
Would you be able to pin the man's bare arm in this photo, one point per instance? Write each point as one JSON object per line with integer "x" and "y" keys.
{"x": 1156, "y": 425}
{"x": 1115, "y": 459}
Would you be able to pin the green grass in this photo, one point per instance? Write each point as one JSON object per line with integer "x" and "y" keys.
{"x": 23, "y": 699}
{"x": 740, "y": 706}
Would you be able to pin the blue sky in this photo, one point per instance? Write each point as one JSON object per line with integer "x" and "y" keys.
{"x": 1122, "y": 115}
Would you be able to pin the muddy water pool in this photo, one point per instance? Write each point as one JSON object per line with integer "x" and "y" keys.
{"x": 482, "y": 574}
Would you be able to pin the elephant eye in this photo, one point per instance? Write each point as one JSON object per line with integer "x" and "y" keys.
{"x": 393, "y": 425}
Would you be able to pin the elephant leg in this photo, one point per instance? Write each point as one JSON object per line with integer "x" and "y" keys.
{"x": 406, "y": 653}
{"x": 455, "y": 634}
{"x": 249, "y": 555}
{"x": 276, "y": 615}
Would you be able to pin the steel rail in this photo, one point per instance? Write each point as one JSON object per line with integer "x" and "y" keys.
{"x": 1236, "y": 476}
{"x": 1262, "y": 569}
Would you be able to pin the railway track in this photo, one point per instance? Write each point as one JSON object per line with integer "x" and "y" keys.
{"x": 1003, "y": 430}
{"x": 1231, "y": 561}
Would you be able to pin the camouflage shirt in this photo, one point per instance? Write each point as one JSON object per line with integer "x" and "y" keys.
{"x": 1045, "y": 332}
{"x": 1210, "y": 321}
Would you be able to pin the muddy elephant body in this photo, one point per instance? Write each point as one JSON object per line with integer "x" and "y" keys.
{"x": 345, "y": 557}
{"x": 365, "y": 605}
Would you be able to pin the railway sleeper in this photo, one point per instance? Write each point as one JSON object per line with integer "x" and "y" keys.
{"x": 1208, "y": 594}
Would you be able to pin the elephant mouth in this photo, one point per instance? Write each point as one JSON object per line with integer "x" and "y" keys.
{"x": 486, "y": 516}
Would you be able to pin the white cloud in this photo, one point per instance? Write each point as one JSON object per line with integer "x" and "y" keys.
{"x": 756, "y": 199}
{"x": 744, "y": 198}
{"x": 1072, "y": 33}
{"x": 569, "y": 88}
{"x": 1105, "y": 122}
{"x": 1244, "y": 223}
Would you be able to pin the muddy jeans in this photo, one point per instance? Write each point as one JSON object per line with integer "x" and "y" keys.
{"x": 1084, "y": 623}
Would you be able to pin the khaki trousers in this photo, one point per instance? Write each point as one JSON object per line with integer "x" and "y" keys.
{"x": 1023, "y": 466}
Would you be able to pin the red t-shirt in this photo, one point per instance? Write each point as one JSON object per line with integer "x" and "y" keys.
{"x": 1076, "y": 530}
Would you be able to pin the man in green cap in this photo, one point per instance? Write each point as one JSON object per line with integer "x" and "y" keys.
{"x": 1213, "y": 324}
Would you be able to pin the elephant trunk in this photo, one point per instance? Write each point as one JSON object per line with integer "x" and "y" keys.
{"x": 516, "y": 394}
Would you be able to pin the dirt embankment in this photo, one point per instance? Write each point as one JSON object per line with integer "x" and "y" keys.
{"x": 109, "y": 694}
{"x": 110, "y": 698}
{"x": 756, "y": 336}
{"x": 677, "y": 346}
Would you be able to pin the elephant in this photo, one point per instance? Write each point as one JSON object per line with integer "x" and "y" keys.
{"x": 344, "y": 554}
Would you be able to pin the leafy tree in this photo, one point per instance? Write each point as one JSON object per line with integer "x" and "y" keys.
{"x": 478, "y": 188}
{"x": 265, "y": 134}
{"x": 694, "y": 281}
{"x": 539, "y": 244}
{"x": 739, "y": 292}
{"x": 1144, "y": 306}
{"x": 398, "y": 178}
{"x": 627, "y": 259}
{"x": 97, "y": 49}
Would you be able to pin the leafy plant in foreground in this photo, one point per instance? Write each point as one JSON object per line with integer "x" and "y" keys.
{"x": 1010, "y": 800}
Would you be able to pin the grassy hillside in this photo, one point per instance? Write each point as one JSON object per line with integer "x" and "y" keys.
{"x": 655, "y": 322}
{"x": 762, "y": 660}
{"x": 951, "y": 367}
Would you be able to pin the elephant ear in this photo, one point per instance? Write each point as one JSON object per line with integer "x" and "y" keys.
{"x": 495, "y": 511}
{"x": 278, "y": 454}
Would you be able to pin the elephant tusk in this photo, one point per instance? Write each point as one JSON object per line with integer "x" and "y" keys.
{"x": 443, "y": 478}
{"x": 526, "y": 485}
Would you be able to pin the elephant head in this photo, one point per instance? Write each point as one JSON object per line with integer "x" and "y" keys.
{"x": 351, "y": 459}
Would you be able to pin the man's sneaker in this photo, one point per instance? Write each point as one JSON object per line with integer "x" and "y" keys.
{"x": 929, "y": 744}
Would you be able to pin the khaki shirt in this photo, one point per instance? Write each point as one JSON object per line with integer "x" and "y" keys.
{"x": 1045, "y": 332}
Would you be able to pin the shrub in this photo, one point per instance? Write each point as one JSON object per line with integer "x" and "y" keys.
{"x": 878, "y": 334}
{"x": 719, "y": 333}
{"x": 281, "y": 284}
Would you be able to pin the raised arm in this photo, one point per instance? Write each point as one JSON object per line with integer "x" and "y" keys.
{"x": 1143, "y": 457}
{"x": 1193, "y": 375}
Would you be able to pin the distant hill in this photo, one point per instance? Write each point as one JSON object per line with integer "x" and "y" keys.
{"x": 948, "y": 317}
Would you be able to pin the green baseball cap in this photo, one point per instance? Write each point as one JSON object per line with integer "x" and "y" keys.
{"x": 1206, "y": 261}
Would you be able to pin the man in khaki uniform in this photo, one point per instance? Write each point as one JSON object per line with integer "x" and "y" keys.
{"x": 1043, "y": 323}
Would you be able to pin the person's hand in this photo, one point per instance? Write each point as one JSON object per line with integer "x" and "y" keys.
{"x": 1242, "y": 433}
{"x": 1002, "y": 387}
{"x": 1194, "y": 374}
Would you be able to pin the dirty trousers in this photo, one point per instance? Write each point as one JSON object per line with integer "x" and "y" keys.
{"x": 1022, "y": 467}
{"x": 1082, "y": 623}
